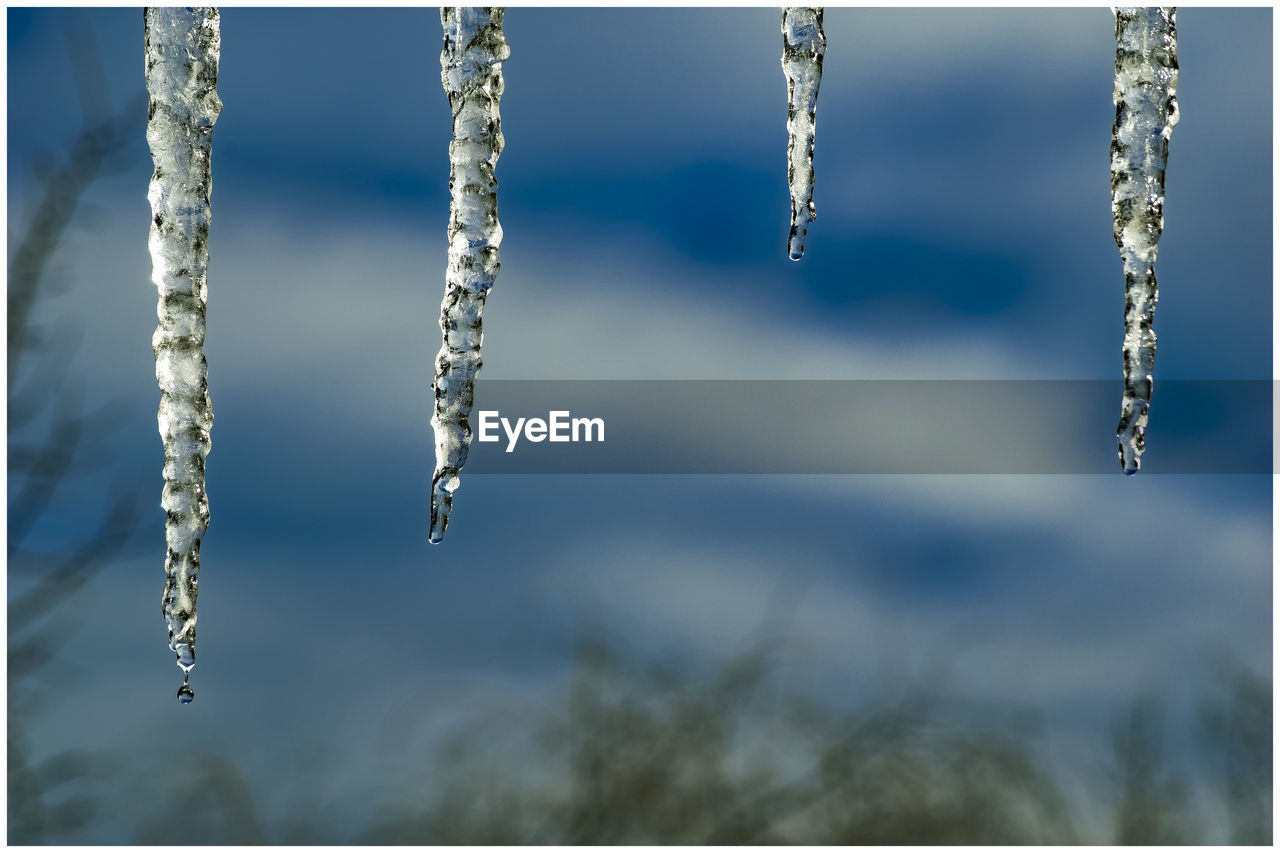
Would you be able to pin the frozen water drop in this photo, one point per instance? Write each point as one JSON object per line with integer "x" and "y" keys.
{"x": 181, "y": 46}
{"x": 471, "y": 73}
{"x": 803, "y": 46}
{"x": 1146, "y": 82}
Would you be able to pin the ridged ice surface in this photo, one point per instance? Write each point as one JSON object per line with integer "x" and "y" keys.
{"x": 1146, "y": 111}
{"x": 803, "y": 45}
{"x": 471, "y": 72}
{"x": 182, "y": 47}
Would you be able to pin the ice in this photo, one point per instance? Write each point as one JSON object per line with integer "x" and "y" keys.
{"x": 471, "y": 73}
{"x": 803, "y": 45}
{"x": 182, "y": 46}
{"x": 1146, "y": 111}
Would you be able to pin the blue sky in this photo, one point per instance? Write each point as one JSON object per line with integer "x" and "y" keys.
{"x": 963, "y": 231}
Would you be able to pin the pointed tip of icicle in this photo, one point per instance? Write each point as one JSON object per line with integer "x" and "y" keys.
{"x": 1130, "y": 460}
{"x": 443, "y": 485}
{"x": 184, "y": 652}
{"x": 795, "y": 241}
{"x": 439, "y": 521}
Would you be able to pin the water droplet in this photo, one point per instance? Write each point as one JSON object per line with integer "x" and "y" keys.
{"x": 186, "y": 695}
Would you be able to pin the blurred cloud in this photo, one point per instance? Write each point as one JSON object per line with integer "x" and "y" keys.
{"x": 964, "y": 232}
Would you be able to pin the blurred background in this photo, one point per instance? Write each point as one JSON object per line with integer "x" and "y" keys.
{"x": 614, "y": 659}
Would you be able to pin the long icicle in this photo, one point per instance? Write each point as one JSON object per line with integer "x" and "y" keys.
{"x": 182, "y": 46}
{"x": 471, "y": 73}
{"x": 1146, "y": 111}
{"x": 803, "y": 46}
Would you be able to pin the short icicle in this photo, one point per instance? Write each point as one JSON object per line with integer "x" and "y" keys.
{"x": 1146, "y": 111}
{"x": 182, "y": 46}
{"x": 471, "y": 73}
{"x": 803, "y": 46}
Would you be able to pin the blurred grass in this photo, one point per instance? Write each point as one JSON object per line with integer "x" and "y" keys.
{"x": 636, "y": 756}
{"x": 53, "y": 443}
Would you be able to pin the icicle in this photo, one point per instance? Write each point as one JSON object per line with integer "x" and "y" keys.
{"x": 471, "y": 72}
{"x": 803, "y": 45}
{"x": 1146, "y": 111}
{"x": 182, "y": 47}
